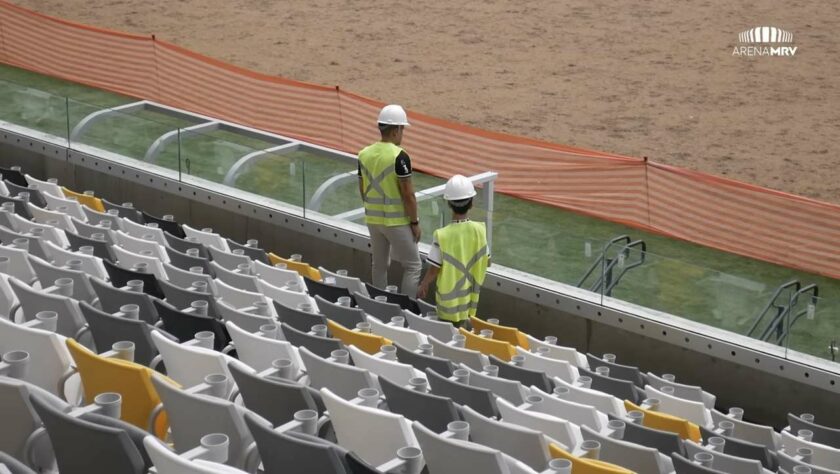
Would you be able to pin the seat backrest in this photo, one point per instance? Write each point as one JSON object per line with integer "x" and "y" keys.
{"x": 665, "y": 422}
{"x": 48, "y": 274}
{"x": 569, "y": 354}
{"x": 127, "y": 259}
{"x": 433, "y": 411}
{"x": 227, "y": 260}
{"x": 300, "y": 320}
{"x": 604, "y": 402}
{"x": 92, "y": 225}
{"x": 13, "y": 465}
{"x": 91, "y": 264}
{"x": 259, "y": 351}
{"x": 303, "y": 268}
{"x": 107, "y": 329}
{"x": 36, "y": 197}
{"x": 210, "y": 239}
{"x": 632, "y": 456}
{"x": 479, "y": 399}
{"x": 342, "y": 379}
{"x": 188, "y": 365}
{"x": 822, "y": 434}
{"x": 486, "y": 346}
{"x": 684, "y": 466}
{"x": 455, "y": 456}
{"x": 20, "y": 206}
{"x": 71, "y": 207}
{"x": 184, "y": 326}
{"x": 347, "y": 316}
{"x": 48, "y": 187}
{"x": 185, "y": 278}
{"x": 689, "y": 392}
{"x": 752, "y": 432}
{"x": 181, "y": 245}
{"x": 167, "y": 461}
{"x": 14, "y": 176}
{"x": 551, "y": 367}
{"x": 191, "y": 416}
{"x": 82, "y": 446}
{"x": 238, "y": 298}
{"x": 141, "y": 231}
{"x": 787, "y": 462}
{"x": 527, "y": 445}
{"x": 509, "y": 334}
{"x": 273, "y": 398}
{"x": 124, "y": 211}
{"x": 742, "y": 449}
{"x": 619, "y": 388}
{"x": 172, "y": 227}
{"x": 577, "y": 413}
{"x": 49, "y": 356}
{"x": 440, "y": 330}
{"x": 185, "y": 262}
{"x": 20, "y": 420}
{"x": 276, "y": 276}
{"x": 694, "y": 412}
{"x": 725, "y": 462}
{"x": 665, "y": 442}
{"x": 328, "y": 292}
{"x": 101, "y": 250}
{"x": 182, "y": 298}
{"x": 402, "y": 300}
{"x": 397, "y": 372}
{"x": 36, "y": 246}
{"x": 369, "y": 343}
{"x": 91, "y": 201}
{"x": 33, "y": 301}
{"x": 584, "y": 465}
{"x": 382, "y": 310}
{"x": 824, "y": 455}
{"x": 19, "y": 266}
{"x": 353, "y": 284}
{"x": 407, "y": 337}
{"x": 247, "y": 321}
{"x": 384, "y": 432}
{"x": 512, "y": 390}
{"x": 50, "y": 232}
{"x": 234, "y": 279}
{"x": 321, "y": 346}
{"x": 120, "y": 277}
{"x": 112, "y": 298}
{"x": 254, "y": 253}
{"x": 525, "y": 376}
{"x": 140, "y": 244}
{"x": 291, "y": 453}
{"x": 458, "y": 355}
{"x": 422, "y": 361}
{"x": 290, "y": 298}
{"x": 552, "y": 426}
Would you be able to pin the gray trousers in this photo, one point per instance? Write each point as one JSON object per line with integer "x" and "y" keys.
{"x": 397, "y": 241}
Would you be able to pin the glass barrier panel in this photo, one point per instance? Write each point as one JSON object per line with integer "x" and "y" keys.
{"x": 268, "y": 177}
{"x": 812, "y": 328}
{"x": 330, "y": 180}
{"x": 34, "y": 109}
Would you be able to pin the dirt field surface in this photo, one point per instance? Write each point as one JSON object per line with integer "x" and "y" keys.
{"x": 656, "y": 79}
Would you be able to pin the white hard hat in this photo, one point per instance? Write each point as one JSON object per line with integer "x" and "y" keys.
{"x": 458, "y": 188}
{"x": 393, "y": 115}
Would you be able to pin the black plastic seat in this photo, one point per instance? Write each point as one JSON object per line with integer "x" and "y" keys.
{"x": 125, "y": 212}
{"x": 184, "y": 325}
{"x": 182, "y": 245}
{"x": 422, "y": 362}
{"x": 35, "y": 196}
{"x": 100, "y": 249}
{"x": 479, "y": 399}
{"x": 107, "y": 329}
{"x": 527, "y": 377}
{"x": 434, "y": 411}
{"x": 256, "y": 253}
{"x": 321, "y": 346}
{"x": 273, "y": 398}
{"x": 14, "y": 176}
{"x": 183, "y": 298}
{"x": 185, "y": 262}
{"x": 20, "y": 206}
{"x": 172, "y": 227}
{"x": 300, "y": 320}
{"x": 405, "y": 301}
{"x": 120, "y": 277}
{"x": 328, "y": 292}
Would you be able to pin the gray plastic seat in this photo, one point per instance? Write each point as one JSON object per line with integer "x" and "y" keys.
{"x": 683, "y": 466}
{"x": 343, "y": 380}
{"x": 422, "y": 362}
{"x": 100, "y": 249}
{"x": 36, "y": 246}
{"x": 48, "y": 274}
{"x": 665, "y": 442}
{"x": 185, "y": 262}
{"x": 440, "y": 330}
{"x": 743, "y": 449}
{"x": 33, "y": 301}
{"x": 227, "y": 260}
{"x": 621, "y": 452}
{"x": 434, "y": 411}
{"x": 256, "y": 253}
{"x": 725, "y": 462}
{"x": 300, "y": 320}
{"x": 247, "y": 321}
{"x": 377, "y": 309}
{"x": 402, "y": 300}
{"x": 273, "y": 398}
{"x": 112, "y": 298}
{"x": 182, "y": 245}
{"x": 81, "y": 446}
{"x": 13, "y": 465}
{"x": 526, "y": 445}
{"x": 185, "y": 278}
{"x": 788, "y": 462}
{"x": 295, "y": 453}
{"x": 619, "y": 388}
{"x": 19, "y": 265}
{"x": 510, "y": 390}
{"x": 321, "y": 346}
{"x": 92, "y": 226}
{"x": 35, "y": 196}
{"x": 447, "y": 455}
{"x": 126, "y": 212}
{"x": 234, "y": 279}
{"x": 20, "y": 206}
{"x": 526, "y": 377}
{"x": 822, "y": 434}
{"x": 348, "y": 317}
{"x": 107, "y": 329}
{"x": 182, "y": 298}
{"x": 480, "y": 399}
{"x": 618, "y": 371}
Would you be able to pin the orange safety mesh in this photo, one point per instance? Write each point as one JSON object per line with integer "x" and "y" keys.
{"x": 716, "y": 212}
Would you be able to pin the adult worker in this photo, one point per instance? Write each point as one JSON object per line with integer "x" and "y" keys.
{"x": 390, "y": 205}
{"x": 459, "y": 256}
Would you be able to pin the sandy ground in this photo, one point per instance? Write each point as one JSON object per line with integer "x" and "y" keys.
{"x": 654, "y": 79}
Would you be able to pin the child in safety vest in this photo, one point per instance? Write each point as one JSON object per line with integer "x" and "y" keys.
{"x": 459, "y": 257}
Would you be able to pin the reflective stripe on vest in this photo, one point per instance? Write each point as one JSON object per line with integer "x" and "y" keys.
{"x": 461, "y": 276}
{"x": 386, "y": 208}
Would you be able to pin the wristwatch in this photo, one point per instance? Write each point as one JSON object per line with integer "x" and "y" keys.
{"x": 417, "y": 222}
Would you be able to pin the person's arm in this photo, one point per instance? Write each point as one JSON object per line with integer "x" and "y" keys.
{"x": 361, "y": 182}
{"x": 431, "y": 275}
{"x": 402, "y": 167}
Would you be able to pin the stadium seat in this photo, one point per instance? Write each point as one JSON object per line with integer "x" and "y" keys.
{"x": 743, "y": 449}
{"x": 328, "y": 292}
{"x": 619, "y": 388}
{"x": 577, "y": 413}
{"x": 303, "y": 269}
{"x": 479, "y": 399}
{"x": 617, "y": 371}
{"x": 48, "y": 186}
{"x": 206, "y": 237}
{"x": 526, "y": 377}
{"x": 625, "y": 454}
{"x": 51, "y": 362}
{"x": 101, "y": 249}
{"x": 585, "y": 465}
{"x": 48, "y": 274}
{"x": 662, "y": 421}
{"x": 88, "y": 229}
{"x": 407, "y": 337}
{"x": 126, "y": 210}
{"x": 90, "y": 264}
{"x": 188, "y": 365}
{"x": 378, "y": 309}
{"x": 36, "y": 197}
{"x": 352, "y": 284}
{"x": 694, "y": 412}
{"x": 404, "y": 301}
{"x": 292, "y": 299}
{"x": 179, "y": 297}
{"x": 569, "y": 354}
{"x": 788, "y": 461}
{"x": 258, "y": 351}
{"x": 239, "y": 298}
{"x": 273, "y": 398}
{"x": 512, "y": 390}
{"x": 13, "y": 465}
{"x": 41, "y": 218}
{"x": 433, "y": 411}
{"x": 526, "y": 445}
{"x": 185, "y": 278}
{"x": 120, "y": 277}
{"x": 20, "y": 422}
{"x": 33, "y": 301}
{"x": 143, "y": 232}
{"x": 459, "y": 355}
{"x": 94, "y": 218}
{"x": 34, "y": 243}
{"x": 130, "y": 260}
{"x": 725, "y": 462}
{"x": 275, "y": 276}
{"x": 323, "y": 346}
{"x": 441, "y": 330}
{"x": 228, "y": 260}
{"x": 183, "y": 244}
{"x": 184, "y": 326}
{"x": 92, "y": 202}
{"x": 342, "y": 379}
{"x": 511, "y": 335}
{"x": 822, "y": 434}
{"x": 111, "y": 299}
{"x": 143, "y": 246}
{"x": 823, "y": 455}
{"x": 254, "y": 253}
{"x": 19, "y": 266}
{"x": 107, "y": 329}
{"x": 246, "y": 321}
{"x": 71, "y": 207}
{"x": 604, "y": 402}
{"x": 397, "y": 372}
{"x": 665, "y": 442}
{"x": 551, "y": 367}
{"x": 14, "y": 176}
{"x": 552, "y": 426}
{"x": 500, "y": 349}
{"x": 300, "y": 320}
{"x": 683, "y": 466}
{"x": 422, "y": 362}
{"x": 20, "y": 206}
{"x": 344, "y": 315}
{"x": 167, "y": 461}
{"x": 165, "y": 225}
{"x": 43, "y": 229}
{"x": 369, "y": 343}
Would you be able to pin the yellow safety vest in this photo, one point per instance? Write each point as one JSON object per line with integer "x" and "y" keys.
{"x": 380, "y": 186}
{"x": 463, "y": 250}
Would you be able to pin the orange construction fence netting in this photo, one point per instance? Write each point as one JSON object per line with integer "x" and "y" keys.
{"x": 721, "y": 213}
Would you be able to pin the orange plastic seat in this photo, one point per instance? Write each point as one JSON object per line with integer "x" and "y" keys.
{"x": 132, "y": 381}
{"x": 508, "y": 334}
{"x": 369, "y": 343}
{"x": 90, "y": 201}
{"x": 303, "y": 269}
{"x": 584, "y": 465}
{"x": 665, "y": 422}
{"x": 500, "y": 349}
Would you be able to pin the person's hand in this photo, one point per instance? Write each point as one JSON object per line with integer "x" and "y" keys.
{"x": 422, "y": 290}
{"x": 415, "y": 231}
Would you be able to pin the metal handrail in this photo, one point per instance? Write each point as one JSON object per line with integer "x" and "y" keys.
{"x": 600, "y": 260}
{"x": 627, "y": 266}
{"x": 773, "y": 304}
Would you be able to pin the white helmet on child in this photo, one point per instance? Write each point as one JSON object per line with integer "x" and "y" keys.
{"x": 393, "y": 115}
{"x": 458, "y": 188}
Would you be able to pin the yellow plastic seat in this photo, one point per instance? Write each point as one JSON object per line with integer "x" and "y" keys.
{"x": 586, "y": 466}
{"x": 303, "y": 269}
{"x": 132, "y": 381}
{"x": 369, "y": 343}
{"x": 500, "y": 349}
{"x": 662, "y": 421}
{"x": 90, "y": 201}
{"x": 509, "y": 334}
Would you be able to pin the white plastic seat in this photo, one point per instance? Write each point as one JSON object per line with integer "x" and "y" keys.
{"x": 408, "y": 338}
{"x": 235, "y": 279}
{"x": 139, "y": 246}
{"x": 526, "y": 445}
{"x": 511, "y": 390}
{"x": 689, "y": 392}
{"x": 236, "y": 298}
{"x": 93, "y": 217}
{"x": 569, "y": 354}
{"x": 45, "y": 187}
{"x": 87, "y": 230}
{"x": 19, "y": 266}
{"x": 8, "y": 300}
{"x": 552, "y": 426}
{"x": 752, "y": 432}
{"x": 167, "y": 461}
{"x": 55, "y": 218}
{"x": 127, "y": 259}
{"x": 276, "y": 276}
{"x": 352, "y": 284}
{"x": 824, "y": 455}
{"x": 187, "y": 364}
{"x": 632, "y": 456}
{"x": 552, "y": 367}
{"x": 259, "y": 351}
{"x": 694, "y": 412}
{"x": 394, "y": 371}
{"x": 577, "y": 413}
{"x": 91, "y": 264}
{"x": 291, "y": 299}
{"x": 725, "y": 462}
{"x": 603, "y": 402}
{"x": 374, "y": 435}
{"x": 226, "y": 259}
{"x": 143, "y": 231}
{"x": 458, "y": 355}
{"x": 71, "y": 207}
{"x": 52, "y": 233}
{"x": 440, "y": 330}
{"x": 49, "y": 358}
{"x": 209, "y": 239}
{"x": 343, "y": 380}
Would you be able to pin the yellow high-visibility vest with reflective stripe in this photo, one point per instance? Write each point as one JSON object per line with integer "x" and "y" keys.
{"x": 463, "y": 251}
{"x": 380, "y": 185}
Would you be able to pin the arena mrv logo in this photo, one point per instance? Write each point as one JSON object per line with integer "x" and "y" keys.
{"x": 765, "y": 41}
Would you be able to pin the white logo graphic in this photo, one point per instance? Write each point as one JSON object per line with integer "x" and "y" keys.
{"x": 764, "y": 41}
